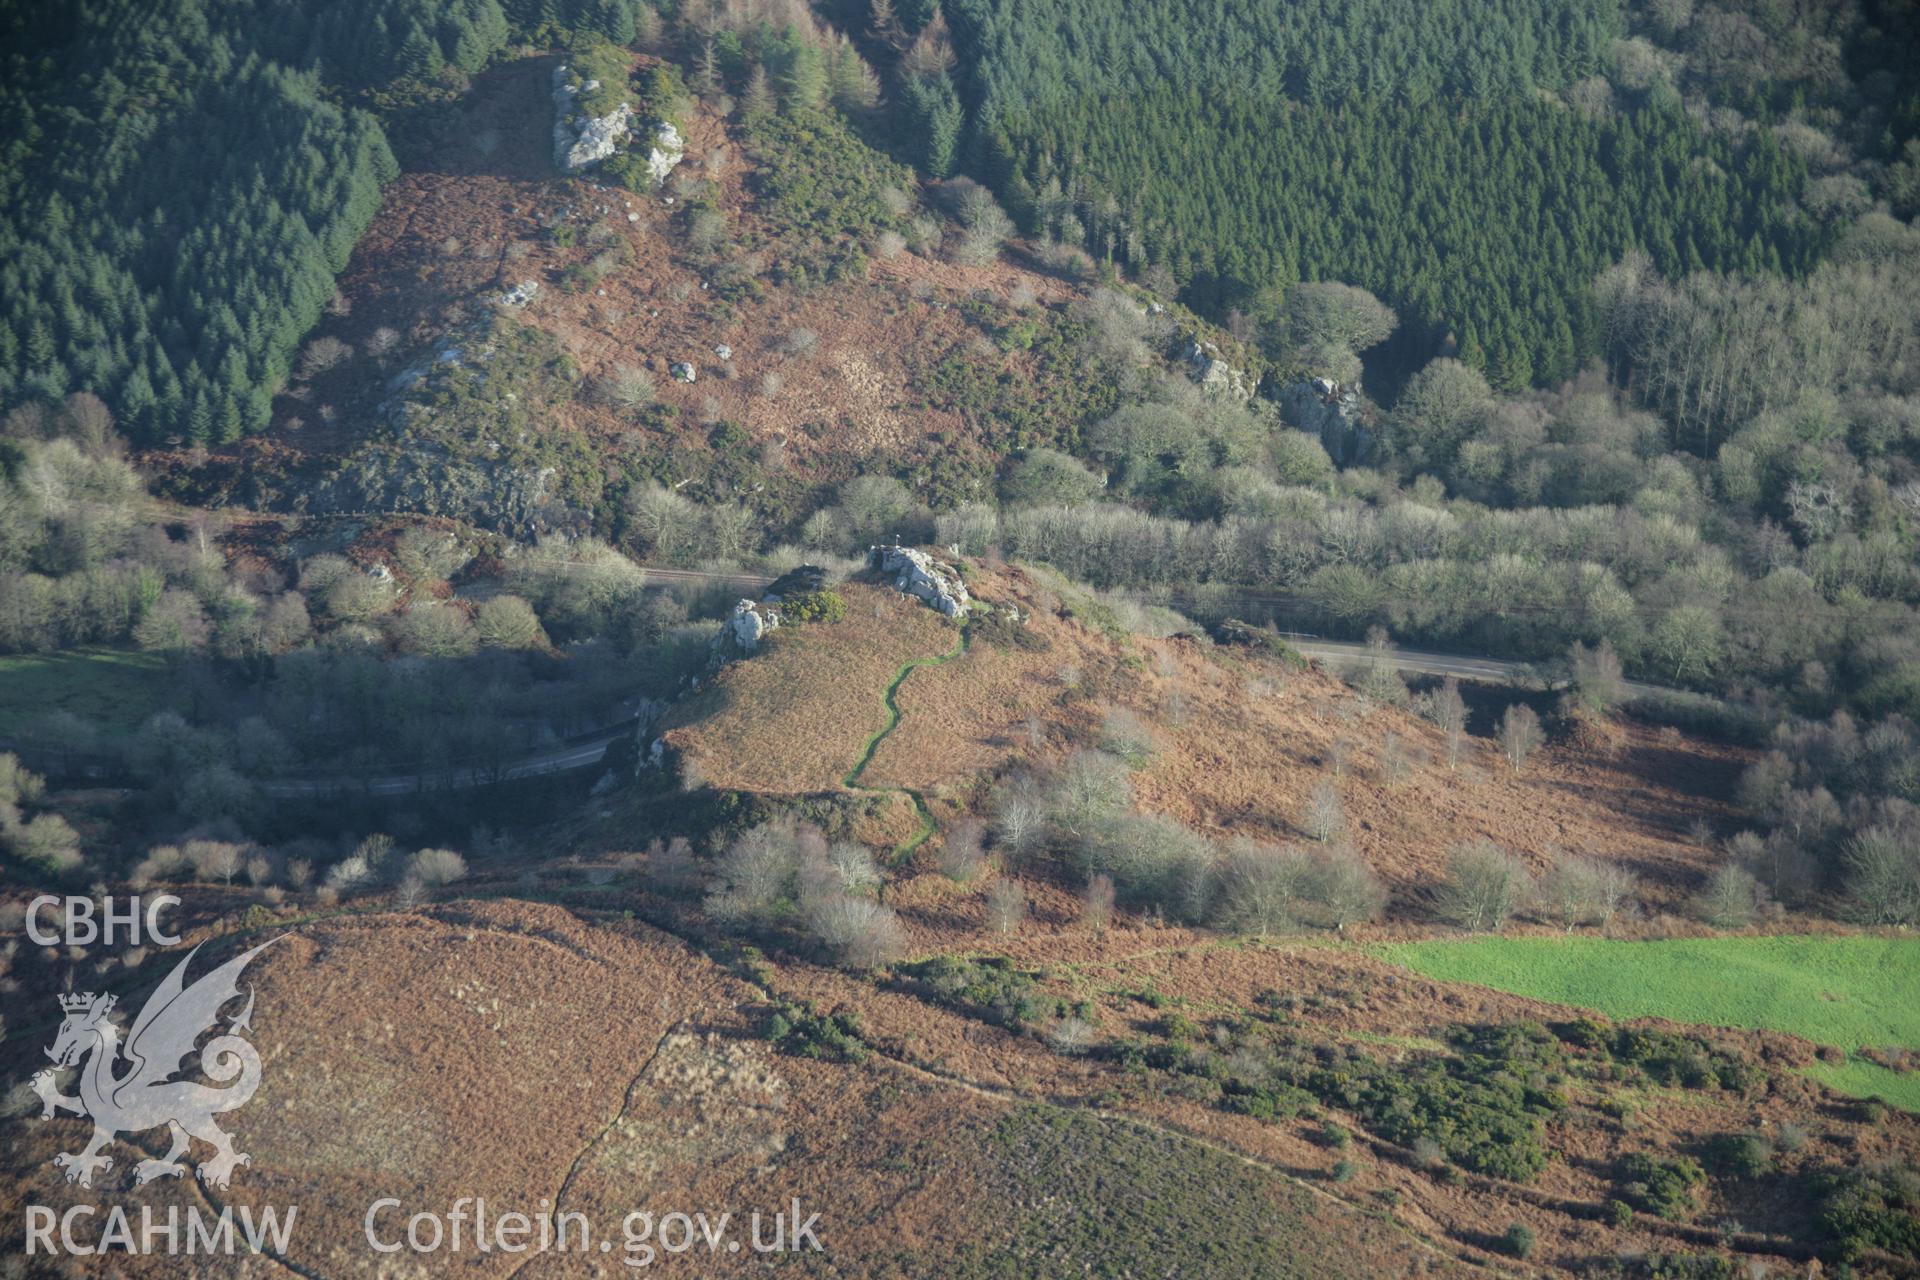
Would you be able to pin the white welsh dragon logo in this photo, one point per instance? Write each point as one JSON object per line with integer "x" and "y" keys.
{"x": 145, "y": 1097}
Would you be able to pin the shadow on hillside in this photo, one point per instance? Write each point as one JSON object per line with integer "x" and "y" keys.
{"x": 502, "y": 127}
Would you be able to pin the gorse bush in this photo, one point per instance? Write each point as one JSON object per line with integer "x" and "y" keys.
{"x": 991, "y": 988}
{"x": 1471, "y": 1105}
{"x": 1872, "y": 1207}
{"x": 1665, "y": 1186}
{"x": 797, "y": 1029}
{"x": 813, "y": 606}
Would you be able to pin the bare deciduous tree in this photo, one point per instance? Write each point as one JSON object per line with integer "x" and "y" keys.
{"x": 627, "y": 387}
{"x": 322, "y": 354}
{"x": 1484, "y": 886}
{"x": 1448, "y": 712}
{"x": 1006, "y": 907}
{"x": 1344, "y": 889}
{"x": 1125, "y": 735}
{"x": 436, "y": 867}
{"x": 1520, "y": 734}
{"x": 1598, "y": 685}
{"x": 1730, "y": 899}
{"x": 960, "y": 854}
{"x": 1323, "y": 818}
{"x": 1577, "y": 891}
{"x": 859, "y": 932}
{"x": 1020, "y": 814}
{"x": 1096, "y": 903}
{"x": 1883, "y": 875}
{"x": 1071, "y": 1036}
{"x": 1261, "y": 888}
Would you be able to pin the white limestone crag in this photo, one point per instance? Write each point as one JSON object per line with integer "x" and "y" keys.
{"x": 748, "y": 626}
{"x": 669, "y": 148}
{"x": 580, "y": 141}
{"x": 919, "y": 575}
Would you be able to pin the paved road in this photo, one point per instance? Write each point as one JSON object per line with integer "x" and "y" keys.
{"x": 579, "y": 755}
{"x": 1338, "y": 653}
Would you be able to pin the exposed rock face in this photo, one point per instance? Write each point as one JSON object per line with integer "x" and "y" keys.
{"x": 919, "y": 575}
{"x": 751, "y": 620}
{"x": 1206, "y": 367}
{"x": 798, "y": 580}
{"x": 748, "y": 625}
{"x": 582, "y": 141}
{"x": 668, "y": 149}
{"x": 422, "y": 476}
{"x": 1331, "y": 411}
{"x": 473, "y": 464}
{"x": 521, "y": 294}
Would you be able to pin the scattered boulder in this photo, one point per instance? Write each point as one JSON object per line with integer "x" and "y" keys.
{"x": 919, "y": 575}
{"x": 724, "y": 351}
{"x": 682, "y": 371}
{"x": 1333, "y": 411}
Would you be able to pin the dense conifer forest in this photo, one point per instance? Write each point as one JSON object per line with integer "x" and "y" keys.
{"x": 1467, "y": 217}
{"x": 1473, "y": 165}
{"x": 172, "y": 277}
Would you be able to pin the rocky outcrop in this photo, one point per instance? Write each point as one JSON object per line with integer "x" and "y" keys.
{"x": 1205, "y": 366}
{"x": 802, "y": 579}
{"x": 581, "y": 141}
{"x": 1334, "y": 412}
{"x": 521, "y": 294}
{"x": 669, "y": 148}
{"x": 747, "y": 626}
{"x": 919, "y": 575}
{"x": 578, "y": 140}
{"x": 422, "y": 476}
{"x": 460, "y": 435}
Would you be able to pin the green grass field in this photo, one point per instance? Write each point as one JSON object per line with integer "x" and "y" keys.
{"x": 1853, "y": 992}
{"x": 114, "y": 689}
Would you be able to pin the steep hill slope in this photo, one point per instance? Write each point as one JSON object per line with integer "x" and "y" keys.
{"x": 1230, "y": 742}
{"x": 836, "y": 361}
{"x": 424, "y": 1057}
